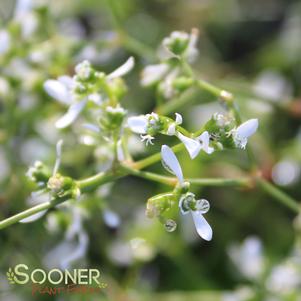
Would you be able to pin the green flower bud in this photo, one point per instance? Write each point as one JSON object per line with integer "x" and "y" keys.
{"x": 182, "y": 83}
{"x": 61, "y": 186}
{"x": 117, "y": 87}
{"x": 177, "y": 42}
{"x": 159, "y": 204}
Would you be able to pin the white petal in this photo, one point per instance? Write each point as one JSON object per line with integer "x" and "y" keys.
{"x": 201, "y": 225}
{"x": 179, "y": 118}
{"x": 22, "y": 7}
{"x": 72, "y": 113}
{"x": 111, "y": 219}
{"x": 171, "y": 129}
{"x": 193, "y": 146}
{"x": 123, "y": 69}
{"x": 153, "y": 73}
{"x": 58, "y": 156}
{"x": 57, "y": 90}
{"x": 92, "y": 127}
{"x": 66, "y": 81}
{"x": 4, "y": 41}
{"x": 33, "y": 217}
{"x": 205, "y": 138}
{"x": 138, "y": 124}
{"x": 247, "y": 128}
{"x": 171, "y": 163}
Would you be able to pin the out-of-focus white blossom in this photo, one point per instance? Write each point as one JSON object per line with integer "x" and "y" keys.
{"x": 248, "y": 257}
{"x": 286, "y": 172}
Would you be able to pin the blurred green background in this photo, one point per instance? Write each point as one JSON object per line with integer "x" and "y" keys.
{"x": 251, "y": 48}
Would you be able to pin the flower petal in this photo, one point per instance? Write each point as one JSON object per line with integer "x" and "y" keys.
{"x": 179, "y": 118}
{"x": 4, "y": 41}
{"x": 138, "y": 124}
{"x": 58, "y": 91}
{"x": 58, "y": 156}
{"x": 205, "y": 138}
{"x": 171, "y": 129}
{"x": 247, "y": 129}
{"x": 72, "y": 113}
{"x": 153, "y": 73}
{"x": 111, "y": 218}
{"x": 91, "y": 127}
{"x": 193, "y": 146}
{"x": 123, "y": 69}
{"x": 33, "y": 217}
{"x": 201, "y": 225}
{"x": 171, "y": 163}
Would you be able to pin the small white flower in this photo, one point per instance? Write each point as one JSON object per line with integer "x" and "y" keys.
{"x": 123, "y": 69}
{"x": 153, "y": 73}
{"x": 204, "y": 139}
{"x": 244, "y": 131}
{"x": 83, "y": 70}
{"x": 193, "y": 146}
{"x": 4, "y": 41}
{"x": 148, "y": 139}
{"x": 171, "y": 163}
{"x": 172, "y": 127}
{"x": 138, "y": 124}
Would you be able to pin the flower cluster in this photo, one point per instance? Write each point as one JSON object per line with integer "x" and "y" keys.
{"x": 90, "y": 87}
{"x": 170, "y": 75}
{"x": 220, "y": 132}
{"x": 160, "y": 205}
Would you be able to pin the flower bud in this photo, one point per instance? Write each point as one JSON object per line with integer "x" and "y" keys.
{"x": 62, "y": 186}
{"x": 177, "y": 42}
{"x": 159, "y": 204}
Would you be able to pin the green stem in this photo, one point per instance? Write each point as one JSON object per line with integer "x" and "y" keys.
{"x": 29, "y": 212}
{"x": 279, "y": 195}
{"x": 170, "y": 181}
{"x": 222, "y": 182}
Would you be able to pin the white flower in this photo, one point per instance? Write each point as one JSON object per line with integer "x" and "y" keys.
{"x": 171, "y": 163}
{"x": 244, "y": 131}
{"x": 204, "y": 139}
{"x": 148, "y": 139}
{"x": 4, "y": 41}
{"x": 62, "y": 88}
{"x": 153, "y": 73}
{"x": 84, "y": 70}
{"x": 193, "y": 146}
{"x": 248, "y": 257}
{"x": 138, "y": 124}
{"x": 172, "y": 127}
